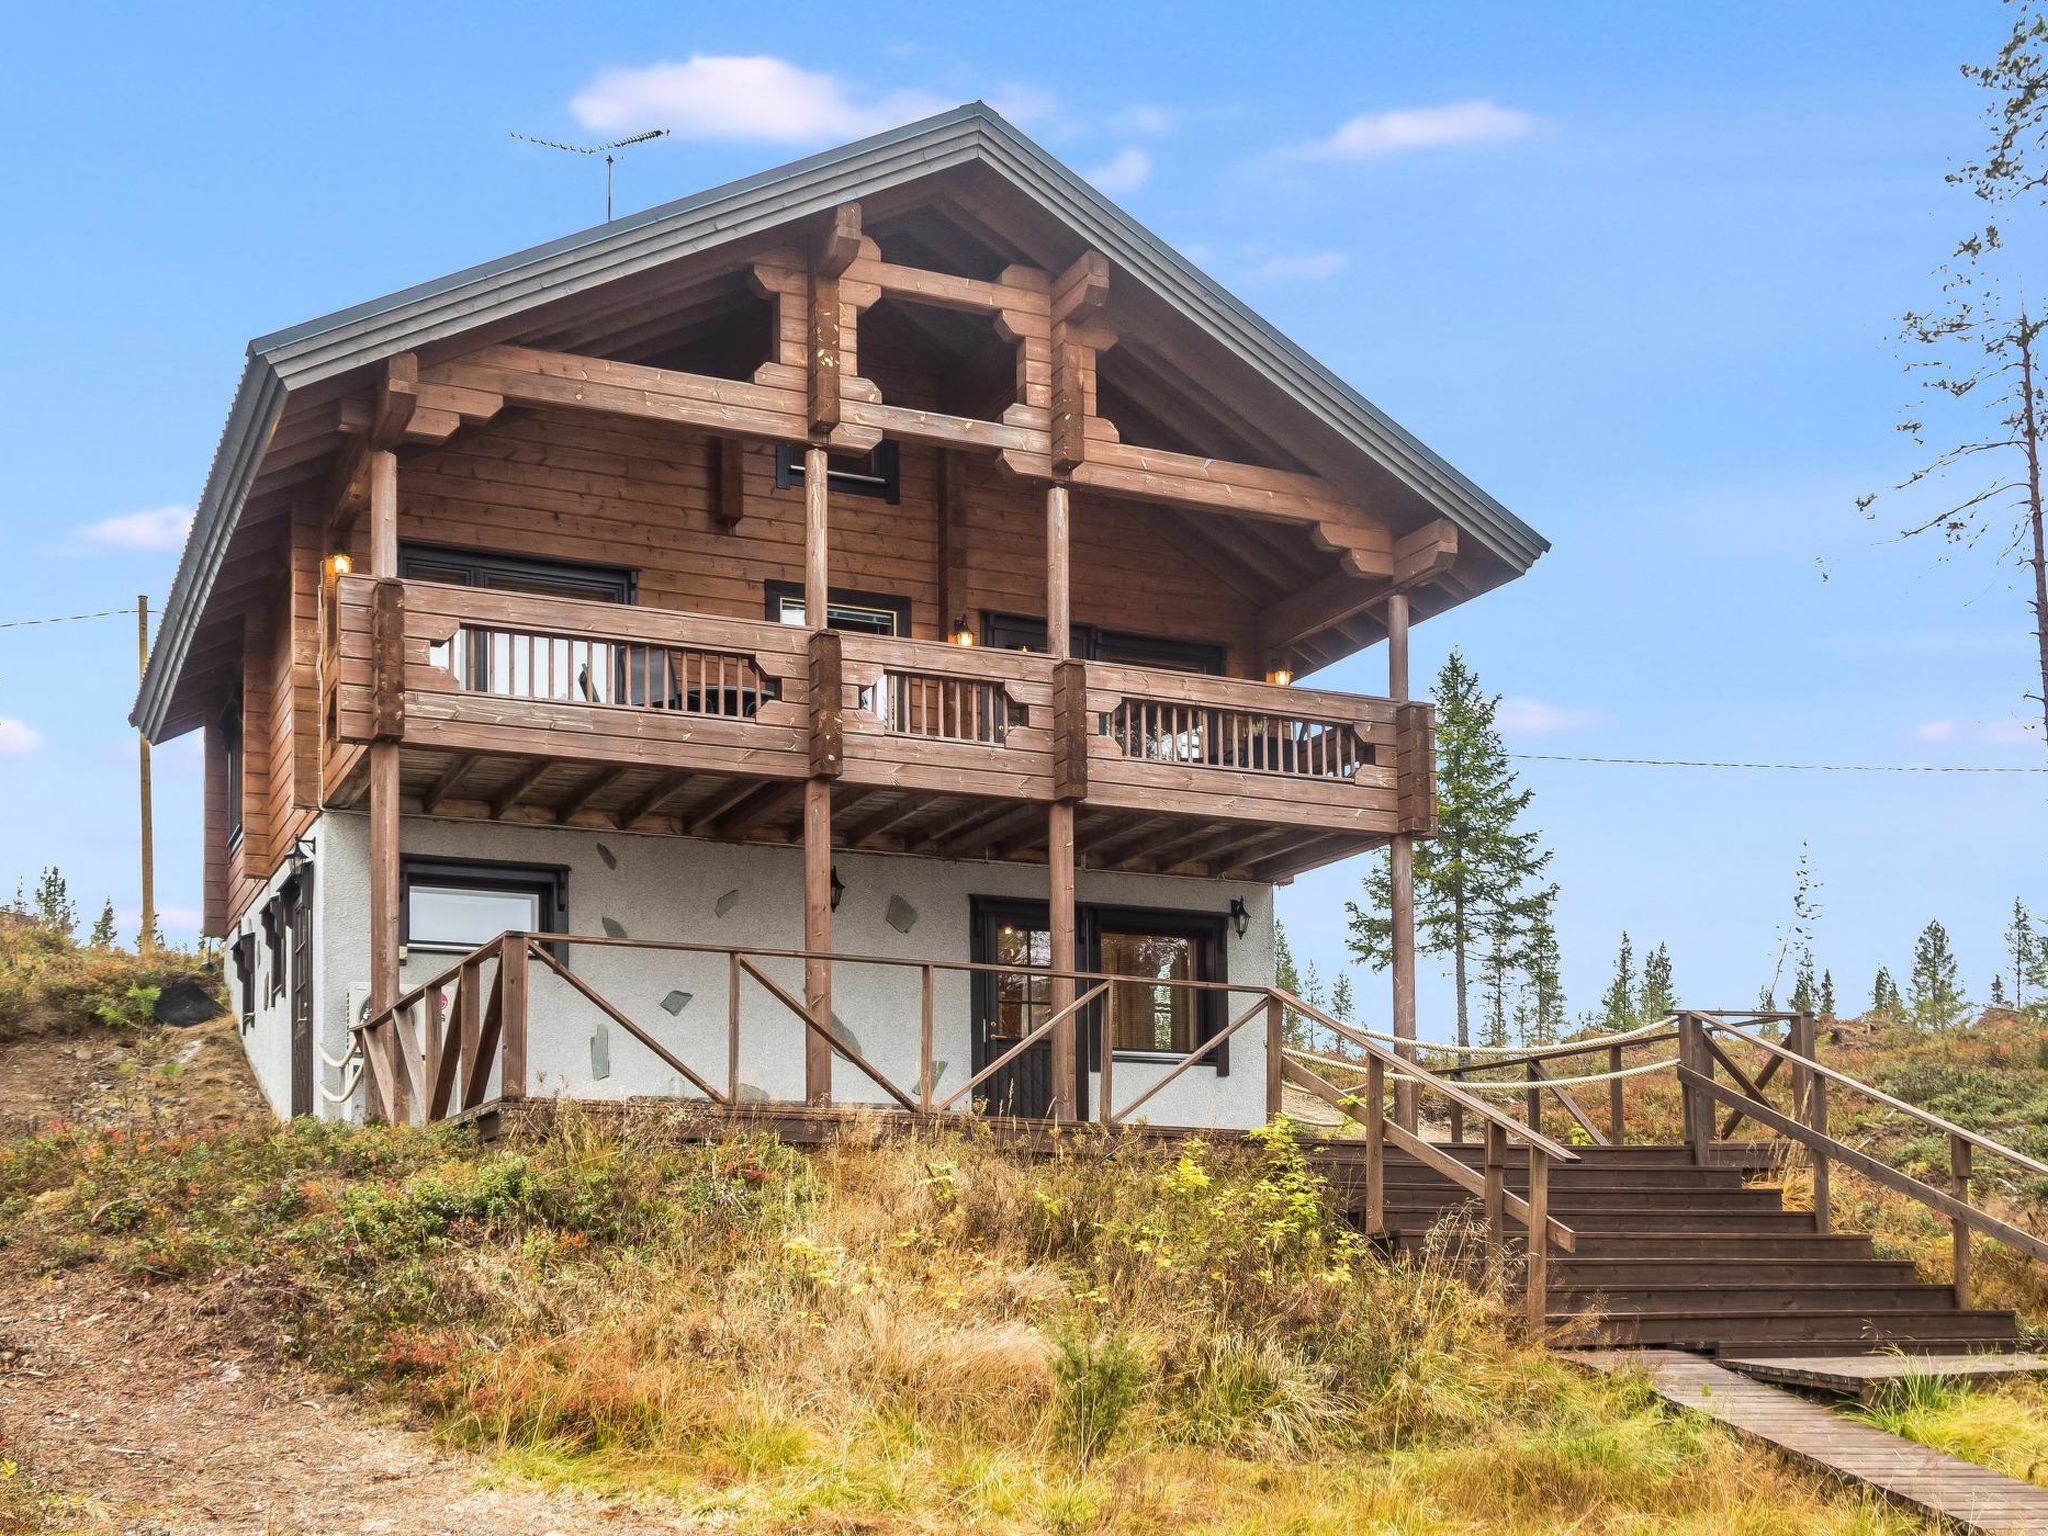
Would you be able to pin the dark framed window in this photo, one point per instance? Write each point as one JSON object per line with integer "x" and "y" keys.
{"x": 867, "y": 613}
{"x": 231, "y": 755}
{"x": 518, "y": 573}
{"x": 272, "y": 924}
{"x": 878, "y": 473}
{"x": 1017, "y": 632}
{"x": 1145, "y": 1021}
{"x": 452, "y": 906}
{"x": 245, "y": 979}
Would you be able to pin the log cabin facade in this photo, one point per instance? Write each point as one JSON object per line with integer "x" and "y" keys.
{"x": 867, "y": 593}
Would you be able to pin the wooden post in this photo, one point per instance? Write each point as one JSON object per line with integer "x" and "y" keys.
{"x": 1375, "y": 1145}
{"x": 512, "y": 1017}
{"x": 1810, "y": 1104}
{"x": 1615, "y": 1127}
{"x": 1532, "y": 1103}
{"x": 384, "y": 758}
{"x": 817, "y": 798}
{"x": 1959, "y": 1233}
{"x": 926, "y": 984}
{"x": 1496, "y": 1189}
{"x": 145, "y": 940}
{"x": 1105, "y": 1109}
{"x": 732, "y": 1029}
{"x": 1401, "y": 880}
{"x": 1059, "y": 847}
{"x": 1537, "y": 1267}
{"x": 1275, "y": 1059}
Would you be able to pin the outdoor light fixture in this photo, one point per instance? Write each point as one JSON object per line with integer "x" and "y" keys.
{"x": 301, "y": 854}
{"x": 838, "y": 887}
{"x": 340, "y": 564}
{"x": 1280, "y": 677}
{"x": 961, "y": 635}
{"x": 1240, "y": 916}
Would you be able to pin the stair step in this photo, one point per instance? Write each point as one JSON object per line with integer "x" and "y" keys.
{"x": 1846, "y": 1344}
{"x": 1622, "y": 1302}
{"x": 1677, "y": 1181}
{"x": 1719, "y": 1329}
{"x": 1590, "y": 1202}
{"x": 1618, "y": 1273}
{"x": 1622, "y": 1223}
{"x": 1709, "y": 1246}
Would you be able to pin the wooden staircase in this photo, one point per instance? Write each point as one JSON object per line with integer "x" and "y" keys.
{"x": 1672, "y": 1255}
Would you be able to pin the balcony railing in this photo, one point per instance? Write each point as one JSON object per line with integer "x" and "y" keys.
{"x": 475, "y": 671}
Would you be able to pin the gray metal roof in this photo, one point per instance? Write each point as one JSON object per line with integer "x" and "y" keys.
{"x": 368, "y": 333}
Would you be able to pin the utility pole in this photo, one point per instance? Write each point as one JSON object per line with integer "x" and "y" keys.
{"x": 145, "y": 940}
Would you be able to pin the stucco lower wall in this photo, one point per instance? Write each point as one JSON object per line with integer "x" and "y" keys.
{"x": 670, "y": 888}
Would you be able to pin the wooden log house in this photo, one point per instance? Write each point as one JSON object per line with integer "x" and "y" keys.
{"x": 871, "y": 592}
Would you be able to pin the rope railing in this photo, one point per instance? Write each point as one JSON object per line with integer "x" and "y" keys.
{"x": 1494, "y": 1085}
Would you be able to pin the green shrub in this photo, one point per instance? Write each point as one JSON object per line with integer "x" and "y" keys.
{"x": 1096, "y": 1383}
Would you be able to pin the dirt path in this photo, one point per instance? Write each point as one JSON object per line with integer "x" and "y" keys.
{"x": 141, "y": 1408}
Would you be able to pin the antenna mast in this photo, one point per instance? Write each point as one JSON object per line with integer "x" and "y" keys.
{"x": 607, "y": 150}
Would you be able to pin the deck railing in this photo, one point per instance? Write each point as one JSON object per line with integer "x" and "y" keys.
{"x": 461, "y": 1042}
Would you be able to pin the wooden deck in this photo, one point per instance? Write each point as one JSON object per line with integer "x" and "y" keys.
{"x": 1931, "y": 1482}
{"x": 1865, "y": 1376}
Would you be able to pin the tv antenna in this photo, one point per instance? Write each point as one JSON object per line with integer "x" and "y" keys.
{"x": 607, "y": 150}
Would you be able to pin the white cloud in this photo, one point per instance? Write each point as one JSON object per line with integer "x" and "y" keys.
{"x": 1032, "y": 108}
{"x": 1147, "y": 119}
{"x": 1125, "y": 171}
{"x": 1988, "y": 733}
{"x": 1306, "y": 267}
{"x": 1533, "y": 717}
{"x": 1372, "y": 134}
{"x": 17, "y": 737}
{"x": 755, "y": 97}
{"x": 156, "y": 528}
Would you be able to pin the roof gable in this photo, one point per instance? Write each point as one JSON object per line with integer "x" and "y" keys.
{"x": 497, "y": 293}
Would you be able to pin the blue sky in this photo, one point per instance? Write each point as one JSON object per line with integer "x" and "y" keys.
{"x": 1633, "y": 268}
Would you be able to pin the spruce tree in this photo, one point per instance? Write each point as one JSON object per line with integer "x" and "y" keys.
{"x": 1285, "y": 976}
{"x": 1618, "y": 1004}
{"x": 54, "y": 907}
{"x": 1341, "y": 1005}
{"x": 1934, "y": 992}
{"x": 1998, "y": 997}
{"x": 103, "y": 935}
{"x": 1482, "y": 868}
{"x": 1496, "y": 970}
{"x": 1827, "y": 996}
{"x": 2027, "y": 952}
{"x": 1311, "y": 987}
{"x": 1541, "y": 965}
{"x": 1805, "y": 988}
{"x": 1885, "y": 1002}
{"x": 1658, "y": 1000}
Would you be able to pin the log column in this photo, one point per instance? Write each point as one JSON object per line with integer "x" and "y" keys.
{"x": 1059, "y": 844}
{"x": 1401, "y": 878}
{"x": 817, "y": 795}
{"x": 384, "y": 750}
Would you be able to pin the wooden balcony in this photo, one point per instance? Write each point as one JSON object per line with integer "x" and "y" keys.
{"x": 552, "y": 710}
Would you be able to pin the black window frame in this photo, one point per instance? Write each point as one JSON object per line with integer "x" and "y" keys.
{"x": 549, "y": 881}
{"x": 594, "y": 582}
{"x": 271, "y": 921}
{"x": 230, "y": 728}
{"x": 880, "y": 480}
{"x": 245, "y": 978}
{"x": 1212, "y": 963}
{"x": 775, "y": 591}
{"x": 1117, "y": 647}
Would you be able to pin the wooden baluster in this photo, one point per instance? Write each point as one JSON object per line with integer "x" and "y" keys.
{"x": 1959, "y": 1232}
{"x": 926, "y": 989}
{"x": 1275, "y": 1044}
{"x": 1496, "y": 1202}
{"x": 732, "y": 1019}
{"x": 1375, "y": 1145}
{"x": 512, "y": 980}
{"x": 1817, "y": 1121}
{"x": 1105, "y": 1111}
{"x": 1533, "y": 1099}
{"x": 1614, "y": 1106}
{"x": 1537, "y": 1268}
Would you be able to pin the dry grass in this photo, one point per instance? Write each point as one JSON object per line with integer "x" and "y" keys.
{"x": 2002, "y": 1426}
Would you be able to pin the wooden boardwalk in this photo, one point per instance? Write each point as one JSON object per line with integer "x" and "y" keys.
{"x": 1866, "y": 1376}
{"x": 1972, "y": 1497}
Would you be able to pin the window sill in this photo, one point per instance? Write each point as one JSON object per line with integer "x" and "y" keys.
{"x": 1161, "y": 1058}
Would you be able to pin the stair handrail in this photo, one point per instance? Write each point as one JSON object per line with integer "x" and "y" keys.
{"x": 1807, "y": 1125}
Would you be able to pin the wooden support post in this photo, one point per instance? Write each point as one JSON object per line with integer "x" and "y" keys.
{"x": 512, "y": 991}
{"x": 1496, "y": 1199}
{"x": 1810, "y": 1107}
{"x": 1959, "y": 1233}
{"x": 145, "y": 938}
{"x": 1401, "y": 880}
{"x": 384, "y": 757}
{"x": 833, "y": 250}
{"x": 732, "y": 1028}
{"x": 817, "y": 793}
{"x": 1059, "y": 847}
{"x": 1615, "y": 1127}
{"x": 1533, "y": 1099}
{"x": 1696, "y": 1108}
{"x": 926, "y": 993}
{"x": 1375, "y": 1145}
{"x": 1537, "y": 1265}
{"x": 1276, "y": 1058}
